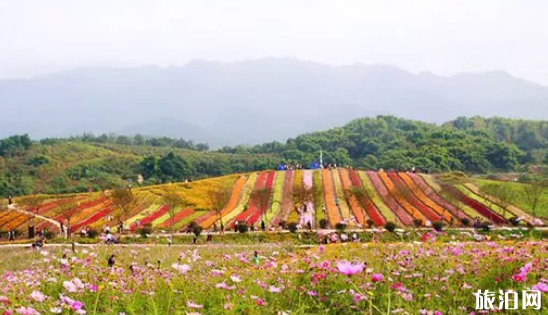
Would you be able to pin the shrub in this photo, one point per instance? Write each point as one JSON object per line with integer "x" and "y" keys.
{"x": 370, "y": 223}
{"x": 485, "y": 226}
{"x": 390, "y": 226}
{"x": 49, "y": 235}
{"x": 197, "y": 230}
{"x": 465, "y": 221}
{"x": 292, "y": 227}
{"x": 438, "y": 226}
{"x": 324, "y": 224}
{"x": 417, "y": 222}
{"x": 93, "y": 233}
{"x": 341, "y": 226}
{"x": 192, "y": 224}
{"x": 243, "y": 228}
{"x": 145, "y": 230}
{"x": 514, "y": 221}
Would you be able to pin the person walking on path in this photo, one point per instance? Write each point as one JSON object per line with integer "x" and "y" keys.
{"x": 263, "y": 226}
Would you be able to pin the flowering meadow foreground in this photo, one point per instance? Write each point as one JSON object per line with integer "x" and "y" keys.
{"x": 393, "y": 278}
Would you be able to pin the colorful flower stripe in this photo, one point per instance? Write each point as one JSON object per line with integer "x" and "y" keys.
{"x": 353, "y": 201}
{"x": 366, "y": 200}
{"x": 148, "y": 210}
{"x": 488, "y": 204}
{"x": 208, "y": 214}
{"x": 164, "y": 217}
{"x": 409, "y": 201}
{"x": 287, "y": 201}
{"x": 87, "y": 212}
{"x": 515, "y": 211}
{"x": 276, "y": 198}
{"x": 17, "y": 221}
{"x": 89, "y": 201}
{"x": 178, "y": 217}
{"x": 308, "y": 183}
{"x": 297, "y": 184}
{"x": 244, "y": 200}
{"x": 341, "y": 198}
{"x": 253, "y": 206}
{"x": 404, "y": 217}
{"x": 186, "y": 220}
{"x": 65, "y": 215}
{"x": 270, "y": 186}
{"x": 433, "y": 194}
{"x": 156, "y": 214}
{"x": 92, "y": 219}
{"x": 415, "y": 213}
{"x": 481, "y": 209}
{"x": 426, "y": 200}
{"x": 333, "y": 213}
{"x": 232, "y": 202}
{"x": 318, "y": 196}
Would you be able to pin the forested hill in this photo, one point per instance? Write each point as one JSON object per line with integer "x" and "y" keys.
{"x": 474, "y": 145}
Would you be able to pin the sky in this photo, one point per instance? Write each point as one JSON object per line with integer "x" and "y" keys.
{"x": 444, "y": 37}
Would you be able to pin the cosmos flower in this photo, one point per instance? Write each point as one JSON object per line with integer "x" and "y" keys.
{"x": 349, "y": 269}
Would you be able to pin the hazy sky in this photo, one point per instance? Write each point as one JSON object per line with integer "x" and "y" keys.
{"x": 443, "y": 37}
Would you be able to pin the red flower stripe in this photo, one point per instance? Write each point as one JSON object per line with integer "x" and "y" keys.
{"x": 481, "y": 209}
{"x": 92, "y": 219}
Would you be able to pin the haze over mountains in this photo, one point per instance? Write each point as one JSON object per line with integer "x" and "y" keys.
{"x": 252, "y": 101}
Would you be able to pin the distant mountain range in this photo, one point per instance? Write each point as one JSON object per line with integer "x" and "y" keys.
{"x": 252, "y": 101}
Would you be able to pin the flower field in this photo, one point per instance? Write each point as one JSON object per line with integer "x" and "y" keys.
{"x": 352, "y": 278}
{"x": 337, "y": 195}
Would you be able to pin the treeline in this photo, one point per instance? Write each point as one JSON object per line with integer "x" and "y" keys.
{"x": 473, "y": 145}
{"x": 138, "y": 139}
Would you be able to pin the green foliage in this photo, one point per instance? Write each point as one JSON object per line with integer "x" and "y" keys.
{"x": 438, "y": 226}
{"x": 292, "y": 227}
{"x": 243, "y": 228}
{"x": 324, "y": 224}
{"x": 340, "y": 226}
{"x": 390, "y": 226}
{"x": 145, "y": 230}
{"x": 197, "y": 230}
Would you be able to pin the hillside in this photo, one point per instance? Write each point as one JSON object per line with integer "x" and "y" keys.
{"x": 359, "y": 198}
{"x": 220, "y": 103}
{"x": 473, "y": 145}
{"x": 54, "y": 166}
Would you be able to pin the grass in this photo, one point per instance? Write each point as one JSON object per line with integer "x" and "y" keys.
{"x": 520, "y": 201}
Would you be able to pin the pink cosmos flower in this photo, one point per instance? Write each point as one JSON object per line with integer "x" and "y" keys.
{"x": 541, "y": 286}
{"x": 349, "y": 269}
{"x": 260, "y": 302}
{"x": 519, "y": 277}
{"x": 191, "y": 304}
{"x": 69, "y": 286}
{"x": 38, "y": 296}
{"x": 4, "y": 300}
{"x": 312, "y": 293}
{"x": 181, "y": 268}
{"x": 235, "y": 278}
{"x": 274, "y": 289}
{"x": 27, "y": 311}
{"x": 376, "y": 277}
